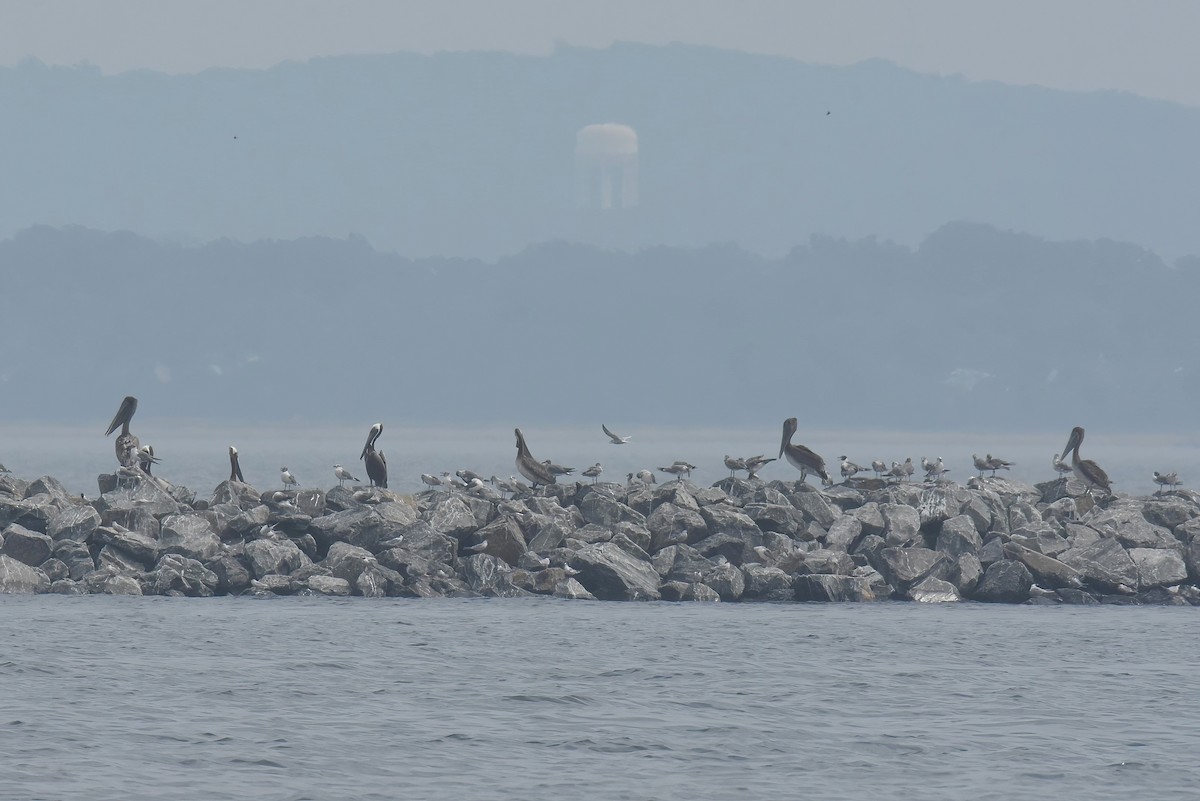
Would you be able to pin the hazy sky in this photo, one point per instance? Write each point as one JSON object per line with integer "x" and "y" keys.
{"x": 1133, "y": 45}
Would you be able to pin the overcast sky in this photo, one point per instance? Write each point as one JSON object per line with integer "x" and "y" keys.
{"x": 1132, "y": 45}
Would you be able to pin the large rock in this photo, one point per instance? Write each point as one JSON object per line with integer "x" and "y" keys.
{"x": 76, "y": 556}
{"x": 29, "y": 514}
{"x": 727, "y": 581}
{"x": 933, "y": 591}
{"x": 727, "y": 520}
{"x": 904, "y": 567}
{"x": 450, "y": 515}
{"x": 833, "y": 588}
{"x": 142, "y": 548}
{"x": 346, "y": 561}
{"x": 109, "y": 582}
{"x": 189, "y": 535}
{"x": 75, "y": 522}
{"x": 780, "y": 518}
{"x": 1046, "y": 570}
{"x": 765, "y": 583}
{"x": 1158, "y": 567}
{"x": 30, "y": 547}
{"x": 1131, "y": 528}
{"x": 814, "y": 506}
{"x": 844, "y": 534}
{"x": 268, "y": 557}
{"x": 959, "y": 536}
{"x": 671, "y": 525}
{"x": 482, "y": 571}
{"x": 232, "y": 576}
{"x": 610, "y": 574}
{"x": 902, "y": 525}
{"x": 604, "y": 511}
{"x": 178, "y": 575}
{"x": 18, "y": 577}
{"x": 504, "y": 540}
{"x": 1005, "y": 581}
{"x": 1104, "y": 566}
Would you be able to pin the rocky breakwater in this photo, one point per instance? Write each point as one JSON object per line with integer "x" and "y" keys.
{"x": 993, "y": 540}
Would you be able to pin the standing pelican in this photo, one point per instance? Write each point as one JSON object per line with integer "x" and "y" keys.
{"x": 531, "y": 468}
{"x": 594, "y": 472}
{"x": 1085, "y": 470}
{"x": 343, "y": 475}
{"x": 125, "y": 441}
{"x": 235, "y": 469}
{"x": 376, "y": 461}
{"x": 287, "y": 478}
{"x": 614, "y": 438}
{"x": 801, "y": 457}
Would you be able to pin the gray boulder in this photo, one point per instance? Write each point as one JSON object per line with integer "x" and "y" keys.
{"x": 765, "y": 583}
{"x": 831, "y": 588}
{"x": 378, "y": 581}
{"x": 450, "y": 515}
{"x": 280, "y": 557}
{"x": 572, "y": 590}
{"x": 904, "y": 567}
{"x": 76, "y": 556}
{"x": 30, "y": 547}
{"x": 482, "y": 571}
{"x": 965, "y": 574}
{"x": 329, "y": 585}
{"x": 232, "y": 576}
{"x": 75, "y": 522}
{"x": 605, "y": 511}
{"x": 959, "y": 536}
{"x": 109, "y": 582}
{"x": 1005, "y": 581}
{"x": 347, "y": 562}
{"x": 933, "y": 591}
{"x": 844, "y": 533}
{"x": 727, "y": 520}
{"x": 671, "y": 525}
{"x": 189, "y": 535}
{"x": 870, "y": 517}
{"x": 504, "y": 540}
{"x": 140, "y": 547}
{"x": 902, "y": 525}
{"x": 179, "y": 575}
{"x": 1126, "y": 523}
{"x": 1169, "y": 511}
{"x": 1047, "y": 571}
{"x": 727, "y": 581}
{"x": 1158, "y": 567}
{"x": 783, "y": 519}
{"x": 813, "y": 505}
{"x": 1104, "y": 565}
{"x": 613, "y": 575}
{"x": 16, "y": 577}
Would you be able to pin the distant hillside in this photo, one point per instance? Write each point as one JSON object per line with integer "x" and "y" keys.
{"x": 976, "y": 329}
{"x": 471, "y": 154}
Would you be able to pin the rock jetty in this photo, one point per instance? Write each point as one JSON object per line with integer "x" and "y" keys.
{"x": 993, "y": 540}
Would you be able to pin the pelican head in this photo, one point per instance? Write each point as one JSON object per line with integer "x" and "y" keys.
{"x": 1074, "y": 441}
{"x": 522, "y": 448}
{"x": 789, "y": 428}
{"x": 123, "y": 415}
{"x": 372, "y": 435}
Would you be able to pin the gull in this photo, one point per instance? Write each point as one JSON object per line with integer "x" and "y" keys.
{"x": 879, "y": 467}
{"x": 468, "y": 476}
{"x": 982, "y": 464}
{"x": 481, "y": 490}
{"x": 756, "y": 463}
{"x": 801, "y": 457}
{"x": 432, "y": 481}
{"x": 557, "y": 469}
{"x": 849, "y": 468}
{"x": 909, "y": 468}
{"x": 1060, "y": 465}
{"x": 343, "y": 475}
{"x": 676, "y": 470}
{"x": 1166, "y": 480}
{"x": 594, "y": 472}
{"x": 734, "y": 464}
{"x": 644, "y": 476}
{"x": 897, "y": 470}
{"x": 478, "y": 547}
{"x": 996, "y": 463}
{"x": 934, "y": 470}
{"x": 286, "y": 476}
{"x": 614, "y": 439}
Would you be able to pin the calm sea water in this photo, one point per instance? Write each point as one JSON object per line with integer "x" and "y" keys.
{"x": 153, "y": 698}
{"x": 195, "y": 455}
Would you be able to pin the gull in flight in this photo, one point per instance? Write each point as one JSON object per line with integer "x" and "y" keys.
{"x": 615, "y": 439}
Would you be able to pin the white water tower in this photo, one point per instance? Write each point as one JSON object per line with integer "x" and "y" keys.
{"x": 606, "y": 166}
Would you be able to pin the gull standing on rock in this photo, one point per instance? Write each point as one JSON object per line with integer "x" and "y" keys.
{"x": 375, "y": 461}
{"x": 676, "y": 470}
{"x": 531, "y": 468}
{"x": 879, "y": 467}
{"x": 734, "y": 464}
{"x": 235, "y": 469}
{"x": 934, "y": 470}
{"x": 1166, "y": 480}
{"x": 1059, "y": 465}
{"x": 126, "y": 442}
{"x": 756, "y": 463}
{"x": 981, "y": 464}
{"x": 431, "y": 480}
{"x": 800, "y": 457}
{"x": 594, "y": 472}
{"x": 557, "y": 469}
{"x": 996, "y": 463}
{"x": 614, "y": 439}
{"x": 343, "y": 475}
{"x": 287, "y": 478}
{"x": 849, "y": 468}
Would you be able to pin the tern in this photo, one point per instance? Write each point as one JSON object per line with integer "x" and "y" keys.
{"x": 849, "y": 468}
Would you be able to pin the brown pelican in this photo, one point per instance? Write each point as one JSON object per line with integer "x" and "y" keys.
{"x": 1060, "y": 465}
{"x": 614, "y": 438}
{"x": 594, "y": 472}
{"x": 125, "y": 441}
{"x": 531, "y": 468}
{"x": 756, "y": 463}
{"x": 343, "y": 475}
{"x": 235, "y": 469}
{"x": 996, "y": 463}
{"x": 801, "y": 457}
{"x": 287, "y": 478}
{"x": 1085, "y": 470}
{"x": 849, "y": 468}
{"x": 1166, "y": 480}
{"x": 375, "y": 460}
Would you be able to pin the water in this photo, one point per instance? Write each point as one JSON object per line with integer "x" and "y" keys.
{"x": 153, "y": 698}
{"x": 195, "y": 454}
